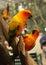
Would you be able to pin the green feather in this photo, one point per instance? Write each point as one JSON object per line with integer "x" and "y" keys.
{"x": 12, "y": 33}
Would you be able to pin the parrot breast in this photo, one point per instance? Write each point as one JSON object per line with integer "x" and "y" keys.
{"x": 29, "y": 42}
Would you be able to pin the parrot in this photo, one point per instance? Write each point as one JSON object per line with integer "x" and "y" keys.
{"x": 17, "y": 23}
{"x": 30, "y": 39}
{"x": 6, "y": 13}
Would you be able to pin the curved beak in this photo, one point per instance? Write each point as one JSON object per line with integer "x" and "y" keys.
{"x": 30, "y": 17}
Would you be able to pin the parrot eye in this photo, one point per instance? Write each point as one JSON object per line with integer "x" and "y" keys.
{"x": 28, "y": 13}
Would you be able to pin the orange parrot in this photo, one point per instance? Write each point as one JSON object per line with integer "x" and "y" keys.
{"x": 5, "y": 13}
{"x": 17, "y": 23}
{"x": 29, "y": 39}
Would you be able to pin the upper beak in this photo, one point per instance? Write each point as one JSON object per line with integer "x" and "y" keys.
{"x": 30, "y": 17}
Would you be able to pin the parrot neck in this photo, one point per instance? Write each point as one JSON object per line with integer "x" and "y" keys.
{"x": 36, "y": 35}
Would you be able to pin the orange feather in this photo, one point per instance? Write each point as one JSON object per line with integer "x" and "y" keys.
{"x": 30, "y": 40}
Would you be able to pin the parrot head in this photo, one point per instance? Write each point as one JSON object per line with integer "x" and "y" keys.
{"x": 27, "y": 13}
{"x": 35, "y": 32}
{"x": 24, "y": 15}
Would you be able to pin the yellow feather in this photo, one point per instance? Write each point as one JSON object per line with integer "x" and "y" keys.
{"x": 13, "y": 23}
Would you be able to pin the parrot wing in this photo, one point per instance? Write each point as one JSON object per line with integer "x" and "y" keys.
{"x": 12, "y": 33}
